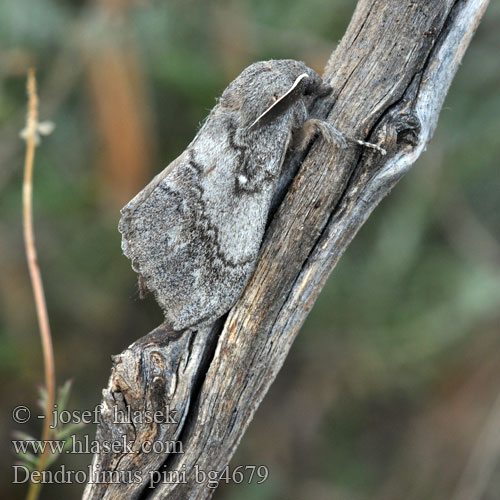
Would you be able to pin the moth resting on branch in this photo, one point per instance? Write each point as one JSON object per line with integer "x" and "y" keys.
{"x": 194, "y": 232}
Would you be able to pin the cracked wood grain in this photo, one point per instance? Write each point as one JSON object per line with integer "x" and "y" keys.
{"x": 390, "y": 75}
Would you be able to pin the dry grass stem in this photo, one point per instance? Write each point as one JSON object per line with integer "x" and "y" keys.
{"x": 31, "y": 134}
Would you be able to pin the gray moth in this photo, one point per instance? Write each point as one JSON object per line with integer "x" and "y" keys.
{"x": 194, "y": 232}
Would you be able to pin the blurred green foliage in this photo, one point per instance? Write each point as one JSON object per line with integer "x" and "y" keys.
{"x": 391, "y": 379}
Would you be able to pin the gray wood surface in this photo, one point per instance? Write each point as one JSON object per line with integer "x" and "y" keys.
{"x": 390, "y": 75}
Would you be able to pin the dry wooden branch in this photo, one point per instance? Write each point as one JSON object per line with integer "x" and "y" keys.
{"x": 390, "y": 75}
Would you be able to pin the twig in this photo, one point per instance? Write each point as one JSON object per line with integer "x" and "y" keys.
{"x": 31, "y": 133}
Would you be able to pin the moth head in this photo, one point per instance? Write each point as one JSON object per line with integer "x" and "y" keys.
{"x": 265, "y": 91}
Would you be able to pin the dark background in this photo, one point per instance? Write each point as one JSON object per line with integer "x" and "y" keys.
{"x": 392, "y": 388}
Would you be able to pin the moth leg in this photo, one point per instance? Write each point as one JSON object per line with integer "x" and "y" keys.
{"x": 369, "y": 145}
{"x": 303, "y": 136}
{"x": 143, "y": 288}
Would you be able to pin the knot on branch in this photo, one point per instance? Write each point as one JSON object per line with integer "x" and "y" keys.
{"x": 401, "y": 130}
{"x": 407, "y": 129}
{"x": 401, "y": 127}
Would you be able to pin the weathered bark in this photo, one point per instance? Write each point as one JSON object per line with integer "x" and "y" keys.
{"x": 390, "y": 75}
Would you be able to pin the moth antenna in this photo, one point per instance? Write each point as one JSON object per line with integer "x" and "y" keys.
{"x": 280, "y": 104}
